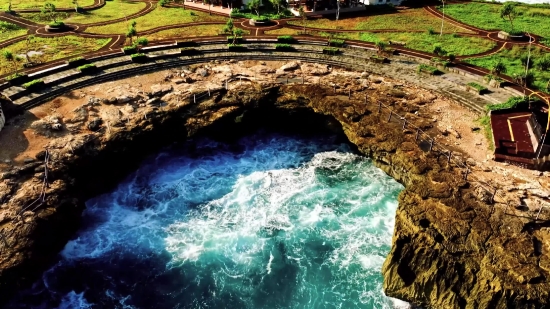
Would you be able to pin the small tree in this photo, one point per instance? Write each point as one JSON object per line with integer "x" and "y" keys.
{"x": 228, "y": 28}
{"x": 28, "y": 43}
{"x": 255, "y": 5}
{"x": 9, "y": 6}
{"x": 303, "y": 15}
{"x": 498, "y": 68}
{"x": 508, "y": 10}
{"x": 277, "y": 4}
{"x": 163, "y": 3}
{"x": 237, "y": 33}
{"x": 132, "y": 32}
{"x": 76, "y": 7}
{"x": 49, "y": 8}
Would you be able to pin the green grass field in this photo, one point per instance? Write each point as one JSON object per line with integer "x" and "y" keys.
{"x": 53, "y": 48}
{"x": 451, "y": 43}
{"x": 511, "y": 58}
{"x": 33, "y": 4}
{"x": 192, "y": 31}
{"x": 158, "y": 17}
{"x": 10, "y": 31}
{"x": 402, "y": 20}
{"x": 487, "y": 16}
{"x": 112, "y": 10}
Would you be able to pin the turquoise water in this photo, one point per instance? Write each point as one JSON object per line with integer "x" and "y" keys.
{"x": 271, "y": 221}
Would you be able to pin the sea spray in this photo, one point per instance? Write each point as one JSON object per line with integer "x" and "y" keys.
{"x": 271, "y": 221}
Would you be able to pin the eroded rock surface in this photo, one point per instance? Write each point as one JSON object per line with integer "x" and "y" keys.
{"x": 450, "y": 248}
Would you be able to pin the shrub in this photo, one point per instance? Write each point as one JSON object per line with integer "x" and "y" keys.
{"x": 331, "y": 50}
{"x": 87, "y": 68}
{"x": 516, "y": 32}
{"x": 237, "y": 39}
{"x": 336, "y": 42}
{"x": 439, "y": 61}
{"x": 513, "y": 102}
{"x": 452, "y": 57}
{"x": 480, "y": 89}
{"x": 139, "y": 57}
{"x": 236, "y": 47}
{"x": 129, "y": 50}
{"x": 284, "y": 46}
{"x": 431, "y": 31}
{"x": 285, "y": 39}
{"x": 163, "y": 3}
{"x": 261, "y": 19}
{"x": 524, "y": 58}
{"x": 428, "y": 69}
{"x": 57, "y": 24}
{"x": 544, "y": 63}
{"x": 75, "y": 59}
{"x": 33, "y": 84}
{"x": 15, "y": 76}
{"x": 438, "y": 50}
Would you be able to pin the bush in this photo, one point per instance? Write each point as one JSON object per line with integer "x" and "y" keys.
{"x": 139, "y": 57}
{"x": 284, "y": 46}
{"x": 490, "y": 77}
{"x": 441, "y": 62}
{"x": 58, "y": 24}
{"x": 285, "y": 39}
{"x": 480, "y": 89}
{"x": 15, "y": 76}
{"x": 525, "y": 58}
{"x": 129, "y": 50}
{"x": 331, "y": 50}
{"x": 77, "y": 61}
{"x": 428, "y": 69}
{"x": 513, "y": 102}
{"x": 34, "y": 84}
{"x": 262, "y": 19}
{"x": 90, "y": 67}
{"x": 236, "y": 47}
{"x": 431, "y": 31}
{"x": 516, "y": 32}
{"x": 543, "y": 63}
{"x": 336, "y": 42}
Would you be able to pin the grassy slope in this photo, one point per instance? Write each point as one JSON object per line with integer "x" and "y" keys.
{"x": 192, "y": 31}
{"x": 403, "y": 20}
{"x": 32, "y": 4}
{"x": 9, "y": 31}
{"x": 55, "y": 48}
{"x": 487, "y": 16}
{"x": 511, "y": 58}
{"x": 157, "y": 18}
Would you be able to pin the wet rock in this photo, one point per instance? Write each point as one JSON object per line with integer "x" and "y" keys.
{"x": 202, "y": 72}
{"x": 314, "y": 69}
{"x": 94, "y": 124}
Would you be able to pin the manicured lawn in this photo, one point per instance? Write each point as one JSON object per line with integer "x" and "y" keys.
{"x": 112, "y": 10}
{"x": 158, "y": 17}
{"x": 511, "y": 58}
{"x": 487, "y": 16}
{"x": 32, "y": 4}
{"x": 53, "y": 48}
{"x": 451, "y": 43}
{"x": 9, "y": 31}
{"x": 403, "y": 20}
{"x": 192, "y": 31}
{"x": 283, "y": 31}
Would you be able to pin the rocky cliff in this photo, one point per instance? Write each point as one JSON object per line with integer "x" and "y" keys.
{"x": 449, "y": 249}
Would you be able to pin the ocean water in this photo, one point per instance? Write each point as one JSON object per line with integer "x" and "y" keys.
{"x": 271, "y": 221}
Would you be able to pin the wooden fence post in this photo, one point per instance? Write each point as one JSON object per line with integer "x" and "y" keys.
{"x": 417, "y": 134}
{"x": 431, "y": 144}
{"x": 389, "y": 118}
{"x": 404, "y": 124}
{"x": 379, "y": 106}
{"x": 449, "y": 158}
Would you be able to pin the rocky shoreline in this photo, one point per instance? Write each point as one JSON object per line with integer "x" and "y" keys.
{"x": 450, "y": 250}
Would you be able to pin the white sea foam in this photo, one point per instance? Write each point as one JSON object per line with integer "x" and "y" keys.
{"x": 74, "y": 301}
{"x": 284, "y": 223}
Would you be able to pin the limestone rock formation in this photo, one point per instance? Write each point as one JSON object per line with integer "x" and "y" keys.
{"x": 450, "y": 248}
